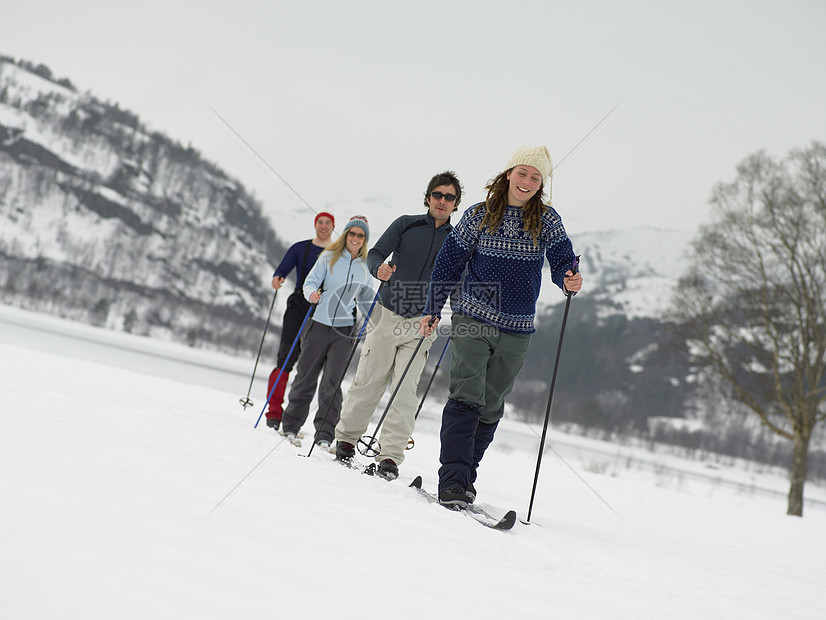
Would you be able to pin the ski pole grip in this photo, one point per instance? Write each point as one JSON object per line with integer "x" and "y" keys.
{"x": 574, "y": 270}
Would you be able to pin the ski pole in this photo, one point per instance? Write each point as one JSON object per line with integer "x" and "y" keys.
{"x": 368, "y": 444}
{"x": 574, "y": 269}
{"x": 410, "y": 442}
{"x": 349, "y": 359}
{"x": 281, "y": 370}
{"x": 246, "y": 402}
{"x": 433, "y": 376}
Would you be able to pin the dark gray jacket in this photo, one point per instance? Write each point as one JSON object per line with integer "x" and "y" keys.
{"x": 414, "y": 241}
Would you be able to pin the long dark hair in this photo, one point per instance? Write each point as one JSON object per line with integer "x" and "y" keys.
{"x": 496, "y": 204}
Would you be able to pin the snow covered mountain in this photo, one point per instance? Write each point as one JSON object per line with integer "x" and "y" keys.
{"x": 630, "y": 272}
{"x": 105, "y": 221}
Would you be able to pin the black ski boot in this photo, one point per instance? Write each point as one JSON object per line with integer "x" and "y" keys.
{"x": 454, "y": 498}
{"x": 345, "y": 451}
{"x": 388, "y": 469}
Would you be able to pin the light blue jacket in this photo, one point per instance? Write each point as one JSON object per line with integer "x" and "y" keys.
{"x": 349, "y": 282}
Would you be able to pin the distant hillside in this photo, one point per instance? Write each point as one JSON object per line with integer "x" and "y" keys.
{"x": 105, "y": 221}
{"x": 630, "y": 272}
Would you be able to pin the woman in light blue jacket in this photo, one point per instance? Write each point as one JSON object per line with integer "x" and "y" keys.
{"x": 338, "y": 282}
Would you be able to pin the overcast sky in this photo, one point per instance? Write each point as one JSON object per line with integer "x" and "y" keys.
{"x": 356, "y": 104}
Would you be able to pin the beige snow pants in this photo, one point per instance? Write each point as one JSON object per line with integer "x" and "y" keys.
{"x": 386, "y": 352}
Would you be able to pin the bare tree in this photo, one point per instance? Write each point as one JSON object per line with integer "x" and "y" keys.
{"x": 754, "y": 301}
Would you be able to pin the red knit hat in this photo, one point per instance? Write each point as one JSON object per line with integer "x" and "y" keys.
{"x": 325, "y": 214}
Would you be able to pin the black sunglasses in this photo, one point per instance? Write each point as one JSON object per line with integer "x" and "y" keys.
{"x": 440, "y": 195}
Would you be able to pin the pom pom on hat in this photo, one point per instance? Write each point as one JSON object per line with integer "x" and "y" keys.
{"x": 358, "y": 221}
{"x": 538, "y": 157}
{"x": 325, "y": 214}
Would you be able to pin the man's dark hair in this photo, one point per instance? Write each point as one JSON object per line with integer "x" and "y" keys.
{"x": 448, "y": 177}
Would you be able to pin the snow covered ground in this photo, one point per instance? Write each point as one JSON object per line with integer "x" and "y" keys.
{"x": 134, "y": 485}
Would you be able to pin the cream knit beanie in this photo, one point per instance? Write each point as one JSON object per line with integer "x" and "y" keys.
{"x": 539, "y": 158}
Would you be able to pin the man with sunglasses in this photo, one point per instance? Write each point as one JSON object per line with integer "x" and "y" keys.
{"x": 414, "y": 242}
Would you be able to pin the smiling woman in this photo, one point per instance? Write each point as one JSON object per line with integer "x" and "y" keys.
{"x": 355, "y": 237}
{"x": 355, "y": 240}
{"x": 338, "y": 283}
{"x": 503, "y": 242}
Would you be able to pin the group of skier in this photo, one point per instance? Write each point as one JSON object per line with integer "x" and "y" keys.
{"x": 489, "y": 264}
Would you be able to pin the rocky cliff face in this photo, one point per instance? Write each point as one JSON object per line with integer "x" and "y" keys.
{"x": 102, "y": 220}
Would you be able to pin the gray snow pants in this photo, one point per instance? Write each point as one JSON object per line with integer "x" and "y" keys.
{"x": 327, "y": 349}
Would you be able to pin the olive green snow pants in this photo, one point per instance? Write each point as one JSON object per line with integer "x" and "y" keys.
{"x": 484, "y": 365}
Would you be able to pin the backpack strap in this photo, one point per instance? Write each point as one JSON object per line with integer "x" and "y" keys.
{"x": 306, "y": 260}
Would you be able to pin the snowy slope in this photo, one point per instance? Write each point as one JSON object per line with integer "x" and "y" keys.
{"x": 129, "y": 495}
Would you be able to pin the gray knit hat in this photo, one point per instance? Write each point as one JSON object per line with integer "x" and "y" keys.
{"x": 360, "y": 222}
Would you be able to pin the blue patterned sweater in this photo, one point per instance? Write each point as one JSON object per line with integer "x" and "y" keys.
{"x": 504, "y": 268}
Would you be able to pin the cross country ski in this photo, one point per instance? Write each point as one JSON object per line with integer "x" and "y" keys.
{"x": 481, "y": 516}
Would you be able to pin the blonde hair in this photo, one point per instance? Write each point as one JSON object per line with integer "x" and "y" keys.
{"x": 337, "y": 248}
{"x": 496, "y": 204}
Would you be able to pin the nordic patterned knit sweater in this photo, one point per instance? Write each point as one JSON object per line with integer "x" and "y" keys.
{"x": 504, "y": 268}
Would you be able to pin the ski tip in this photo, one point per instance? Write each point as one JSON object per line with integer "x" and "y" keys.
{"x": 417, "y": 482}
{"x": 508, "y": 521}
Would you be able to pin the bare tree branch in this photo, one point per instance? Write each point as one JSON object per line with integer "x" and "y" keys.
{"x": 754, "y": 301}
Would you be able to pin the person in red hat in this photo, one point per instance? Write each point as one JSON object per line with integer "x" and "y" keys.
{"x": 301, "y": 256}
